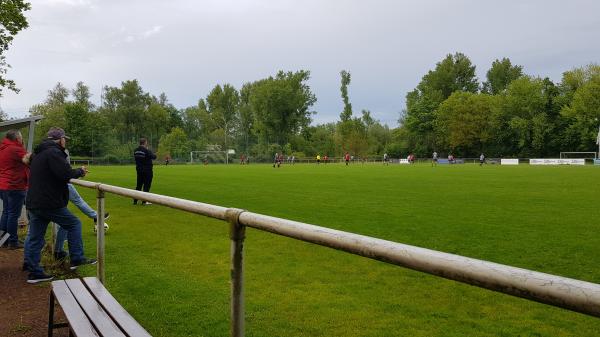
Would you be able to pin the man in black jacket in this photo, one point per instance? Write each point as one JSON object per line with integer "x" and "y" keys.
{"x": 143, "y": 167}
{"x": 47, "y": 200}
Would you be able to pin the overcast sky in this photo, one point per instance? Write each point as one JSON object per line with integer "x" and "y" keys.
{"x": 185, "y": 47}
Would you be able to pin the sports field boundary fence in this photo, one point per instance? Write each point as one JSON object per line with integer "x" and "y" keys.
{"x": 567, "y": 293}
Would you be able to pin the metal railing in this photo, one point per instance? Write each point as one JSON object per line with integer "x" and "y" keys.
{"x": 571, "y": 294}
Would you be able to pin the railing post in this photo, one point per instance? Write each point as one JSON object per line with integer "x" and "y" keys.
{"x": 237, "y": 234}
{"x": 100, "y": 236}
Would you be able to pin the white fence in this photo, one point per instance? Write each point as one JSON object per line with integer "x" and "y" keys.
{"x": 575, "y": 295}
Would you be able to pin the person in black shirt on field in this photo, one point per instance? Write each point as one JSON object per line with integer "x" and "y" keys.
{"x": 143, "y": 167}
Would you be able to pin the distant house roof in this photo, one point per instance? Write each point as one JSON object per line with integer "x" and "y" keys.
{"x": 18, "y": 123}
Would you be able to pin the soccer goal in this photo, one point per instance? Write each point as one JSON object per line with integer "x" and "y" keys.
{"x": 80, "y": 162}
{"x": 209, "y": 157}
{"x": 578, "y": 155}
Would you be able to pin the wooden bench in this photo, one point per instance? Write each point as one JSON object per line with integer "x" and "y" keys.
{"x": 91, "y": 310}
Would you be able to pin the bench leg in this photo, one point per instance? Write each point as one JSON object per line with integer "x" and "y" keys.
{"x": 51, "y": 315}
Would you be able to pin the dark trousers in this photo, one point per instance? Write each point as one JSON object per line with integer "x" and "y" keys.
{"x": 12, "y": 203}
{"x": 144, "y": 181}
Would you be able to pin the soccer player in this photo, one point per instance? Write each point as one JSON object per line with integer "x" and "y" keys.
{"x": 347, "y": 158}
{"x": 385, "y": 159}
{"x": 481, "y": 159}
{"x": 434, "y": 159}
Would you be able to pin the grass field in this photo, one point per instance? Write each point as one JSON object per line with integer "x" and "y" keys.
{"x": 171, "y": 269}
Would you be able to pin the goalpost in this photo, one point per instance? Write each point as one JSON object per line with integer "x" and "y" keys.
{"x": 579, "y": 155}
{"x": 210, "y": 156}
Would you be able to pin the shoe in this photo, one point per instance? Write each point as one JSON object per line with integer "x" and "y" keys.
{"x": 83, "y": 262}
{"x": 106, "y": 216}
{"x": 38, "y": 277}
{"x": 17, "y": 245}
{"x": 60, "y": 255}
{"x": 105, "y": 228}
{"x": 146, "y": 203}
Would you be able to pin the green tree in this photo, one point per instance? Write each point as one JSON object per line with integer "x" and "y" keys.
{"x": 465, "y": 122}
{"x": 12, "y": 21}
{"x": 126, "y": 107}
{"x": 246, "y": 118}
{"x": 523, "y": 111}
{"x": 222, "y": 105}
{"x": 281, "y": 106}
{"x": 453, "y": 73}
{"x": 174, "y": 143}
{"x": 583, "y": 112}
{"x": 346, "y": 115}
{"x": 500, "y": 75}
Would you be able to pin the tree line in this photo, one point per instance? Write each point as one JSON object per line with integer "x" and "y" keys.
{"x": 509, "y": 114}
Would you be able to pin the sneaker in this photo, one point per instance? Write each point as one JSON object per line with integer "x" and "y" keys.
{"x": 38, "y": 277}
{"x": 60, "y": 255}
{"x": 83, "y": 262}
{"x": 106, "y": 216}
{"x": 146, "y": 203}
{"x": 105, "y": 228}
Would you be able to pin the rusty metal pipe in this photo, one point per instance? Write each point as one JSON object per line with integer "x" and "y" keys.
{"x": 580, "y": 296}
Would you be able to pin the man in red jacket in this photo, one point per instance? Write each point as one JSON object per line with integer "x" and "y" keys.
{"x": 14, "y": 178}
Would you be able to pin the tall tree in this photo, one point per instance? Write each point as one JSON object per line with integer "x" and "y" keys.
{"x": 465, "y": 122}
{"x": 583, "y": 110}
{"x": 223, "y": 103}
{"x": 500, "y": 75}
{"x": 12, "y": 21}
{"x": 453, "y": 73}
{"x": 281, "y": 106}
{"x": 346, "y": 114}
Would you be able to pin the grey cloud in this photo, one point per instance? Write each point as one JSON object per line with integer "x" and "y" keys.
{"x": 184, "y": 48}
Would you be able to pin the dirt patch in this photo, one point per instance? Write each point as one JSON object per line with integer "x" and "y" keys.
{"x": 23, "y": 306}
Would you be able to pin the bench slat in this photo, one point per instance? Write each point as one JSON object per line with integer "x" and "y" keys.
{"x": 80, "y": 325}
{"x": 3, "y": 237}
{"x": 118, "y": 313}
{"x": 96, "y": 314}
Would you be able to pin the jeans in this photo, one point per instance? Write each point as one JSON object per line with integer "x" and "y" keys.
{"x": 12, "y": 203}
{"x": 77, "y": 200}
{"x": 38, "y": 223}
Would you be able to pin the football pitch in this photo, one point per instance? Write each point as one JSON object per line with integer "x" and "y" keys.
{"x": 170, "y": 269}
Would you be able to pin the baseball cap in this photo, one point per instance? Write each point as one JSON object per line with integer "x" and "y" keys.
{"x": 57, "y": 133}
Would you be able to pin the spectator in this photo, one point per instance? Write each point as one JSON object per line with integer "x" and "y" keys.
{"x": 143, "y": 167}
{"x": 47, "y": 201}
{"x": 77, "y": 200}
{"x": 14, "y": 177}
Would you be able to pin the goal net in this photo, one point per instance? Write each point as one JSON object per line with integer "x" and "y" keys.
{"x": 578, "y": 155}
{"x": 208, "y": 157}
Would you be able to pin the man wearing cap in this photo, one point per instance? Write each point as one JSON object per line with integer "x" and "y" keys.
{"x": 47, "y": 200}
